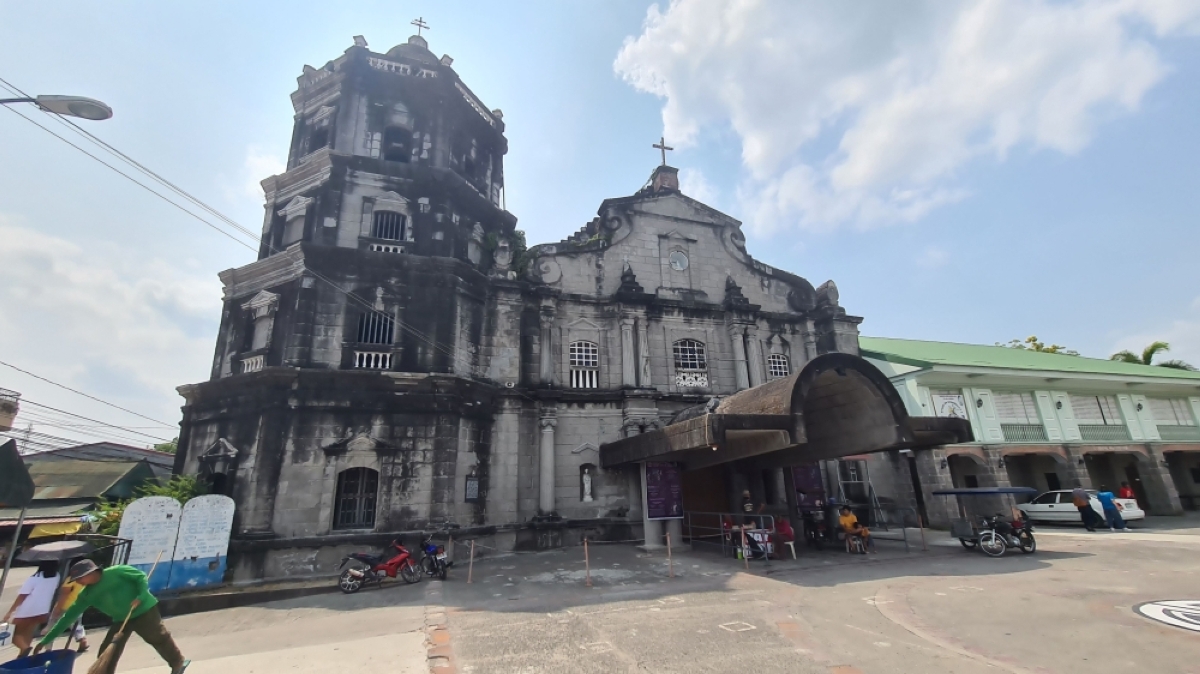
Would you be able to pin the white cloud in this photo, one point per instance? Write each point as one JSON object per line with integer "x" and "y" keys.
{"x": 933, "y": 257}
{"x": 694, "y": 184}
{"x": 865, "y": 112}
{"x": 258, "y": 165}
{"x": 103, "y": 319}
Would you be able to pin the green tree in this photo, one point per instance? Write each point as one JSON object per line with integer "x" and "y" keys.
{"x": 182, "y": 488}
{"x": 1032, "y": 343}
{"x": 1147, "y": 357}
{"x": 168, "y": 447}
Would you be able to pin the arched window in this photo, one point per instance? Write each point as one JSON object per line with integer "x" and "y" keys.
{"x": 354, "y": 507}
{"x": 388, "y": 225}
{"x": 777, "y": 366}
{"x": 585, "y": 364}
{"x": 397, "y": 144}
{"x": 691, "y": 364}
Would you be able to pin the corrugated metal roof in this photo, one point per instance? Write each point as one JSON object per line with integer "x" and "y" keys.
{"x": 106, "y": 451}
{"x": 927, "y": 354}
{"x": 45, "y": 510}
{"x": 78, "y": 479}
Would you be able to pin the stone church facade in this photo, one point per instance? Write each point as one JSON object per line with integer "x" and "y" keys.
{"x": 396, "y": 358}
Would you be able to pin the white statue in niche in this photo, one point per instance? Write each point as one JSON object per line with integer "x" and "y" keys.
{"x": 587, "y": 486}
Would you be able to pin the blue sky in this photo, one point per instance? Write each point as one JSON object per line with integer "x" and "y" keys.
{"x": 965, "y": 171}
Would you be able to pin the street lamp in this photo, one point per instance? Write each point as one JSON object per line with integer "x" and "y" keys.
{"x": 67, "y": 106}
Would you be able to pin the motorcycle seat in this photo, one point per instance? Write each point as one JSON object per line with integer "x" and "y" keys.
{"x": 368, "y": 559}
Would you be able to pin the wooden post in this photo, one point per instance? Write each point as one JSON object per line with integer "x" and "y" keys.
{"x": 587, "y": 563}
{"x": 450, "y": 548}
{"x": 471, "y": 564}
{"x": 745, "y": 557}
{"x": 670, "y": 564}
{"x": 921, "y": 525}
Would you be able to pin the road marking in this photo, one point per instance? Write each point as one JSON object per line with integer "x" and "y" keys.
{"x": 1182, "y": 613}
{"x": 737, "y": 627}
{"x": 597, "y": 647}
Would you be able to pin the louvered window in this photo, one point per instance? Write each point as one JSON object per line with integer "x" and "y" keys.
{"x": 1096, "y": 410}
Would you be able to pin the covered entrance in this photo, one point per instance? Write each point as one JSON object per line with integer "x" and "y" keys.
{"x": 839, "y": 405}
{"x": 1184, "y": 466}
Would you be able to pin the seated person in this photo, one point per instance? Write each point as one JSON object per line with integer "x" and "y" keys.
{"x": 852, "y": 527}
{"x": 783, "y": 534}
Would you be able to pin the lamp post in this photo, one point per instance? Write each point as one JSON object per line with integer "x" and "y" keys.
{"x": 67, "y": 106}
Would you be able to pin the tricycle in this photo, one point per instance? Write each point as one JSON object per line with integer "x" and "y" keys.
{"x": 992, "y": 534}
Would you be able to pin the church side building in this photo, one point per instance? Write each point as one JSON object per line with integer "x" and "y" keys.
{"x": 396, "y": 358}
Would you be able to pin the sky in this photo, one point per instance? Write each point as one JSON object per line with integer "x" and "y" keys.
{"x": 969, "y": 171}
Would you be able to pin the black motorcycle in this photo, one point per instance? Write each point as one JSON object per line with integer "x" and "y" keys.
{"x": 997, "y": 535}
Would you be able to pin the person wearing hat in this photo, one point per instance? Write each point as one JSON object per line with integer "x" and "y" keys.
{"x": 117, "y": 592}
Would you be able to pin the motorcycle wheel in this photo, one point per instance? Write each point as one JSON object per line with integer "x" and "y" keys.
{"x": 429, "y": 566}
{"x": 348, "y": 583}
{"x": 442, "y": 571}
{"x": 968, "y": 543}
{"x": 1028, "y": 544}
{"x": 991, "y": 544}
{"x": 410, "y": 574}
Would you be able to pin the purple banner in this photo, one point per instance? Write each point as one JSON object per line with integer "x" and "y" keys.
{"x": 664, "y": 491}
{"x": 810, "y": 487}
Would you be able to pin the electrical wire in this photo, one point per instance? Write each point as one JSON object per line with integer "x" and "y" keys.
{"x": 456, "y": 357}
{"x": 25, "y": 401}
{"x": 85, "y": 395}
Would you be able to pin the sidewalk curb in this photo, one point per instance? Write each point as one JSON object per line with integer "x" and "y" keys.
{"x": 185, "y": 604}
{"x": 439, "y": 654}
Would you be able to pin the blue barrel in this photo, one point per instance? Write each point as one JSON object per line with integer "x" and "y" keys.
{"x": 51, "y": 662}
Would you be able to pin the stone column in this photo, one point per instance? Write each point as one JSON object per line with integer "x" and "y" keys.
{"x": 643, "y": 349}
{"x": 737, "y": 337}
{"x": 933, "y": 476}
{"x": 758, "y": 373}
{"x": 1160, "y": 489}
{"x": 547, "y": 346}
{"x": 546, "y": 472}
{"x": 628, "y": 362}
{"x": 1076, "y": 468}
{"x": 652, "y": 529}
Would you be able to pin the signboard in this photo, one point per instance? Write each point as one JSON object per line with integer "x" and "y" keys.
{"x": 953, "y": 405}
{"x": 202, "y": 543}
{"x": 152, "y": 523}
{"x": 663, "y": 490}
{"x": 810, "y": 485}
{"x": 472, "y": 489}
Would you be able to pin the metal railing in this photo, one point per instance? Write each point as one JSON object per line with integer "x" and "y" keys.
{"x": 1099, "y": 433}
{"x": 1024, "y": 432}
{"x": 724, "y": 530}
{"x": 1179, "y": 433}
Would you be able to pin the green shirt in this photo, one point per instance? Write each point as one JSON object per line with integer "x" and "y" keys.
{"x": 112, "y": 596}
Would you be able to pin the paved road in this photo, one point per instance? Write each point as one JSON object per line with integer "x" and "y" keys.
{"x": 1067, "y": 607}
{"x": 374, "y": 631}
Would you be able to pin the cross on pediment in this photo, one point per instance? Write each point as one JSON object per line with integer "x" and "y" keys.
{"x": 420, "y": 23}
{"x": 662, "y": 145}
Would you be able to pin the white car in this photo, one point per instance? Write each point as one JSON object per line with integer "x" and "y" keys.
{"x": 1059, "y": 506}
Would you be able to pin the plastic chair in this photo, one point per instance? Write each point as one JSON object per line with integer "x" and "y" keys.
{"x": 791, "y": 546}
{"x": 855, "y": 545}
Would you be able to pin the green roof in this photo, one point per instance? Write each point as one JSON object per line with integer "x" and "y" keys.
{"x": 929, "y": 354}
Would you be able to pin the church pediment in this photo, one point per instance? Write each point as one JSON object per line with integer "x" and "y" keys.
{"x": 357, "y": 443}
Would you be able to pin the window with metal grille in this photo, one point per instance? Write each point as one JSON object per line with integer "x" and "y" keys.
{"x": 1016, "y": 408}
{"x": 388, "y": 225}
{"x": 585, "y": 364}
{"x": 1096, "y": 410}
{"x": 689, "y": 355}
{"x": 355, "y": 503}
{"x": 777, "y": 366}
{"x": 376, "y": 327}
{"x": 1171, "y": 412}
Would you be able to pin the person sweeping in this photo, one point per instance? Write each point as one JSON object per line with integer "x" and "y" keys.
{"x": 123, "y": 594}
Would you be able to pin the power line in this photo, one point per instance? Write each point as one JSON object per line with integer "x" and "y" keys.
{"x": 25, "y": 401}
{"x": 85, "y": 395}
{"x": 474, "y": 369}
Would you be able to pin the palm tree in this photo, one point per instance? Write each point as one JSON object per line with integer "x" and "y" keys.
{"x": 1148, "y": 355}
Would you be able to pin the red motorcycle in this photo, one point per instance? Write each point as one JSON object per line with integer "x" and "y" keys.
{"x": 360, "y": 568}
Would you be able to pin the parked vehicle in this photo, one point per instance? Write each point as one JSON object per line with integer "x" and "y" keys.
{"x": 360, "y": 568}
{"x": 997, "y": 535}
{"x": 1059, "y": 506}
{"x": 433, "y": 559}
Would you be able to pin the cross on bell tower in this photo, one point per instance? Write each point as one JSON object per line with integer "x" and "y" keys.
{"x": 662, "y": 145}
{"x": 420, "y": 23}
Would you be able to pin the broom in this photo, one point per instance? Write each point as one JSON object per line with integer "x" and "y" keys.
{"x": 106, "y": 659}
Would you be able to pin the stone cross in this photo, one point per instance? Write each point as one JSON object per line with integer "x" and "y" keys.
{"x": 662, "y": 145}
{"x": 420, "y": 23}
